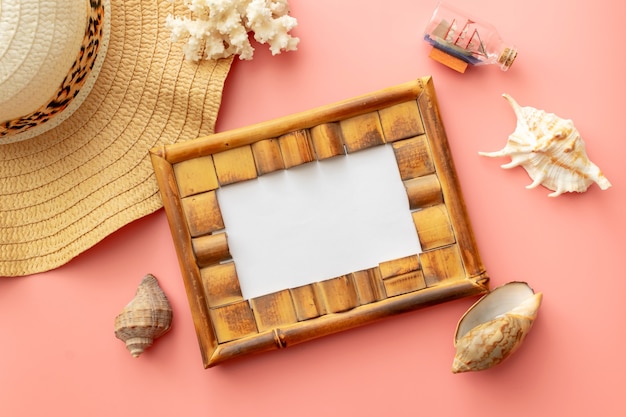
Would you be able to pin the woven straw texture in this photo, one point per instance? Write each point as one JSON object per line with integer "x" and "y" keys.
{"x": 67, "y": 189}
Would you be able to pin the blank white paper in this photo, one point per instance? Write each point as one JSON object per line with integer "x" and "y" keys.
{"x": 317, "y": 221}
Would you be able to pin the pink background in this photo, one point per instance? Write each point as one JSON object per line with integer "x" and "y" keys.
{"x": 58, "y": 354}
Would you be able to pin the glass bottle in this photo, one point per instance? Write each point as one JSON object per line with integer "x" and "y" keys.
{"x": 461, "y": 40}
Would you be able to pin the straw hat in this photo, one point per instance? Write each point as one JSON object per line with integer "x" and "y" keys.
{"x": 87, "y": 88}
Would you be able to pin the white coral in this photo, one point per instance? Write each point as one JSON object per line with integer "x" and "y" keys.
{"x": 222, "y": 26}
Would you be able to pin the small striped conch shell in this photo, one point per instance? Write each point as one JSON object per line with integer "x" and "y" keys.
{"x": 147, "y": 317}
{"x": 551, "y": 151}
{"x": 493, "y": 328}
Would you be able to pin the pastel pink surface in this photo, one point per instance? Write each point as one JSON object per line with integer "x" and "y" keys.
{"x": 59, "y": 356}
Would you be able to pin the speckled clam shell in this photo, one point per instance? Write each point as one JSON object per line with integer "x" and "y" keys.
{"x": 551, "y": 151}
{"x": 495, "y": 327}
{"x": 147, "y": 317}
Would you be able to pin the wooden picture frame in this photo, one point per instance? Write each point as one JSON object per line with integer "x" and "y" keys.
{"x": 405, "y": 117}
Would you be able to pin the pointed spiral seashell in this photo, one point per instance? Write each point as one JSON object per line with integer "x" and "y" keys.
{"x": 145, "y": 318}
{"x": 551, "y": 151}
{"x": 495, "y": 327}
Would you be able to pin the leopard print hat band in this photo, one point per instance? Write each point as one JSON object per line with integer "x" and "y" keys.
{"x": 48, "y": 69}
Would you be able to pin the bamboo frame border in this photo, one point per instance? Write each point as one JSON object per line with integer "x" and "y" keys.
{"x": 473, "y": 282}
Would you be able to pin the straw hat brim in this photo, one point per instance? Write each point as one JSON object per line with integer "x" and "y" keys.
{"x": 68, "y": 188}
